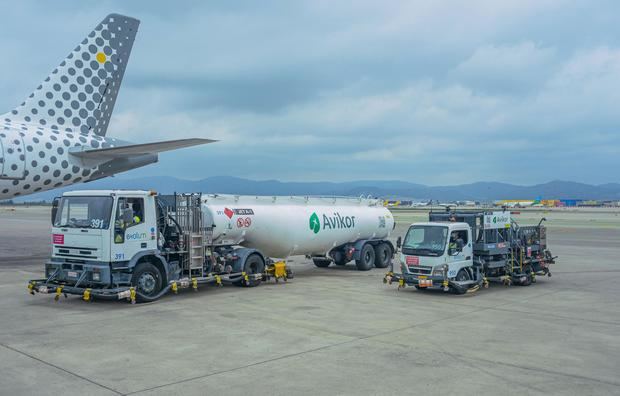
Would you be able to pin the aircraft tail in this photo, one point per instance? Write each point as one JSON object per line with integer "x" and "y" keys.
{"x": 79, "y": 95}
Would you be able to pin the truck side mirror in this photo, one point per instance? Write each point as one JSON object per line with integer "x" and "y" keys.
{"x": 55, "y": 203}
{"x": 399, "y": 242}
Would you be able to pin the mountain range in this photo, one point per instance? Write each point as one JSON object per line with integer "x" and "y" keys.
{"x": 480, "y": 191}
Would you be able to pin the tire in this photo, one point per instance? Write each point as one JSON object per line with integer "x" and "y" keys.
{"x": 147, "y": 279}
{"x": 383, "y": 255}
{"x": 462, "y": 275}
{"x": 321, "y": 262}
{"x": 528, "y": 274}
{"x": 367, "y": 258}
{"x": 254, "y": 264}
{"x": 339, "y": 258}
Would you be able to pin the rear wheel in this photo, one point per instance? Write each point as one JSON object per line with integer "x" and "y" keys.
{"x": 321, "y": 262}
{"x": 367, "y": 258}
{"x": 383, "y": 255}
{"x": 527, "y": 271}
{"x": 254, "y": 264}
{"x": 147, "y": 280}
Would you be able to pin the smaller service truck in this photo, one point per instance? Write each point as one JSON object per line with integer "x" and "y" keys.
{"x": 461, "y": 251}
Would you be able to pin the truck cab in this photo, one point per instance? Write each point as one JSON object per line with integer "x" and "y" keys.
{"x": 98, "y": 235}
{"x": 437, "y": 255}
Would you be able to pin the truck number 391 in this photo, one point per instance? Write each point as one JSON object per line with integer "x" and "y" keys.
{"x": 119, "y": 256}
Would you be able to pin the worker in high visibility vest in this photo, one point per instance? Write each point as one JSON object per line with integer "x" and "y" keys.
{"x": 137, "y": 213}
{"x": 456, "y": 244}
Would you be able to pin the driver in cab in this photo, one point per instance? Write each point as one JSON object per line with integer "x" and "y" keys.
{"x": 456, "y": 243}
{"x": 130, "y": 214}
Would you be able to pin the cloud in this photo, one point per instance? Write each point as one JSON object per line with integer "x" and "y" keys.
{"x": 430, "y": 92}
{"x": 506, "y": 69}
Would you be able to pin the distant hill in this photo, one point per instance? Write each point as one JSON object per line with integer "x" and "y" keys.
{"x": 480, "y": 191}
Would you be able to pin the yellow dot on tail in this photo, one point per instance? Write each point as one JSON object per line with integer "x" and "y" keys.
{"x": 101, "y": 57}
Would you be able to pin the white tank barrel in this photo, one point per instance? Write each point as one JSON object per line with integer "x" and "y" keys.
{"x": 287, "y": 226}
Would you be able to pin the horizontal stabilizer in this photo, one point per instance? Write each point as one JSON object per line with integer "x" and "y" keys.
{"x": 103, "y": 154}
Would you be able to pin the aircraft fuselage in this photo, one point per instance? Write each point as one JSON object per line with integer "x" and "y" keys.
{"x": 35, "y": 158}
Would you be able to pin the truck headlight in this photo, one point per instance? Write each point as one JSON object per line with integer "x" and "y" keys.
{"x": 440, "y": 270}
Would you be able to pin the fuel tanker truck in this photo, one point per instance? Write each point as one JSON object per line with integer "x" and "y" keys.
{"x": 138, "y": 245}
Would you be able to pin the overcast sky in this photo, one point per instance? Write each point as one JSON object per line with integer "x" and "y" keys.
{"x": 441, "y": 92}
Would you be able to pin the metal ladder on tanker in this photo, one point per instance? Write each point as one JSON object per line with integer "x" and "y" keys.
{"x": 196, "y": 254}
{"x": 189, "y": 216}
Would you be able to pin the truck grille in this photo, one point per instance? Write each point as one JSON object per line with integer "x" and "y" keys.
{"x": 420, "y": 269}
{"x": 75, "y": 252}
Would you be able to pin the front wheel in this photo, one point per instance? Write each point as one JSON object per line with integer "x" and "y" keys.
{"x": 147, "y": 280}
{"x": 462, "y": 275}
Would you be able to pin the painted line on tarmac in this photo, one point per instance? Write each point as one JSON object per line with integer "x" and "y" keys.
{"x": 59, "y": 368}
{"x": 291, "y": 355}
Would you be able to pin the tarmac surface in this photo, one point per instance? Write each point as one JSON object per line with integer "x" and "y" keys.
{"x": 328, "y": 331}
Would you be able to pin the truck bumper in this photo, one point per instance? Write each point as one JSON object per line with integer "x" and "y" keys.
{"x": 83, "y": 275}
{"x": 58, "y": 287}
{"x": 428, "y": 282}
{"x": 432, "y": 282}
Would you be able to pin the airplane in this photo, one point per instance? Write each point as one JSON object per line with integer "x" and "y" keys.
{"x": 520, "y": 204}
{"x": 57, "y": 136}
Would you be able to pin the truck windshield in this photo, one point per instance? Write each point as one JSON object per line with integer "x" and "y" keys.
{"x": 84, "y": 212}
{"x": 425, "y": 240}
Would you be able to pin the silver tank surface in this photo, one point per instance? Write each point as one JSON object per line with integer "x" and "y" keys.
{"x": 287, "y": 226}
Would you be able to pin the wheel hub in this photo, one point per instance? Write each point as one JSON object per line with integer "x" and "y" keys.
{"x": 147, "y": 282}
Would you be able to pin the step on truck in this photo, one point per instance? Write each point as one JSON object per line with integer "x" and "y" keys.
{"x": 461, "y": 251}
{"x": 138, "y": 245}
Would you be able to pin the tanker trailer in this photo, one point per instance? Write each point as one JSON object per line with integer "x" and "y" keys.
{"x": 138, "y": 245}
{"x": 326, "y": 229}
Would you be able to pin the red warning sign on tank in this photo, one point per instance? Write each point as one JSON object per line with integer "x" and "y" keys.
{"x": 244, "y": 222}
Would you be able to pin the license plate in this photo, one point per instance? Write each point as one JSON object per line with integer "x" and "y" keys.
{"x": 425, "y": 283}
{"x": 72, "y": 274}
{"x": 422, "y": 277}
